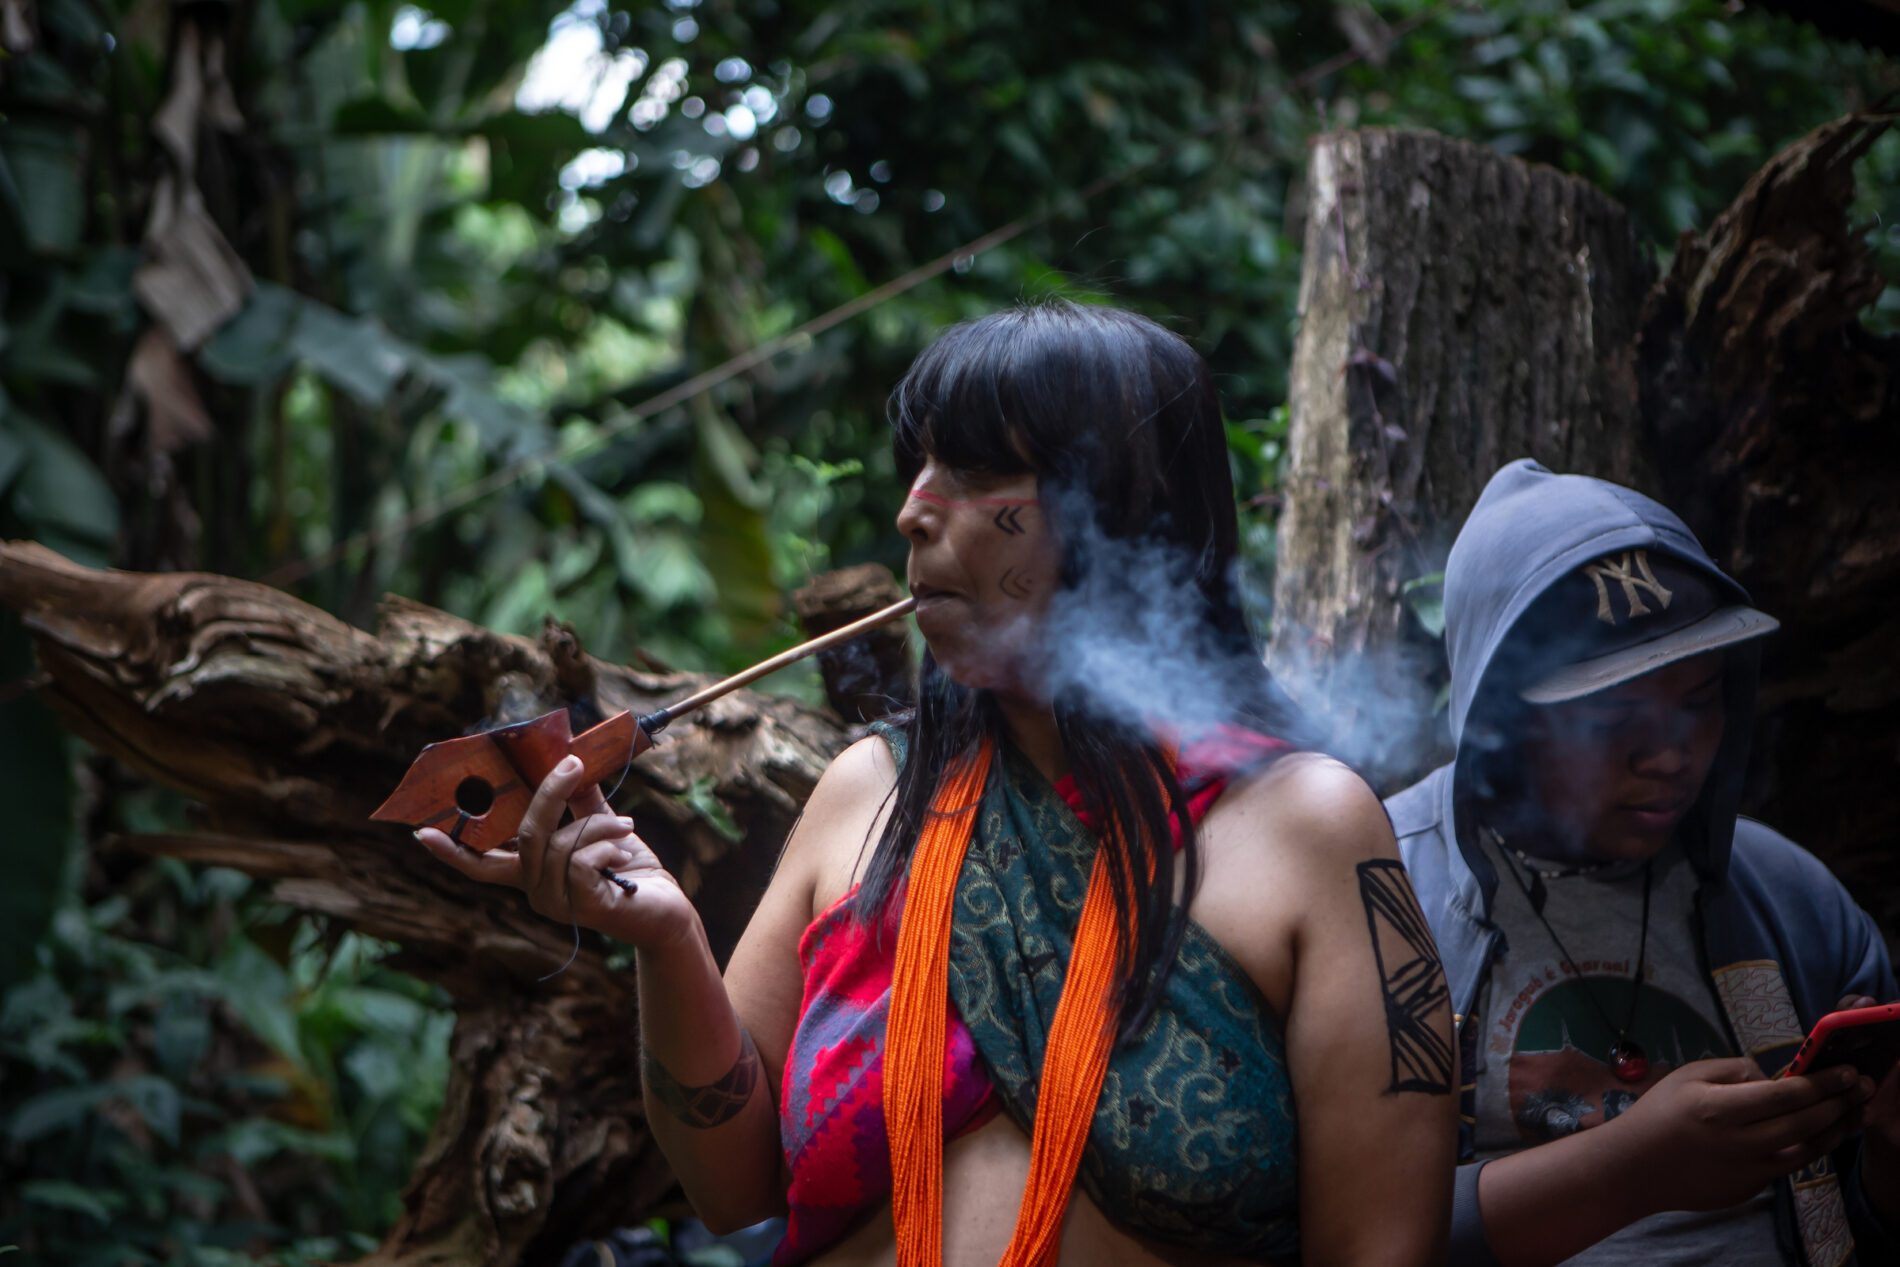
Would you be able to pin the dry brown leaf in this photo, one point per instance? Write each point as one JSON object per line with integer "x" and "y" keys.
{"x": 192, "y": 280}
{"x": 175, "y": 415}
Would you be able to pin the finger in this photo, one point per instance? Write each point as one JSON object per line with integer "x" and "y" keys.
{"x": 1853, "y": 1002}
{"x": 497, "y": 866}
{"x": 603, "y": 857}
{"x": 1832, "y": 1138}
{"x": 544, "y": 815}
{"x": 588, "y": 801}
{"x": 1887, "y": 1094}
{"x": 594, "y": 828}
{"x": 555, "y": 879}
{"x": 1769, "y": 1099}
{"x": 1803, "y": 1124}
{"x": 1724, "y": 1070}
{"x": 1798, "y": 1156}
{"x": 1883, "y": 1108}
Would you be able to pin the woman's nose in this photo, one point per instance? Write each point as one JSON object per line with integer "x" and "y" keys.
{"x": 922, "y": 511}
{"x": 916, "y": 518}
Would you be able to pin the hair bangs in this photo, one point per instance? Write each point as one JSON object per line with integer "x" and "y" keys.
{"x": 959, "y": 404}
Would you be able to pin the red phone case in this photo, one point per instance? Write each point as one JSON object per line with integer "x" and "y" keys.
{"x": 1867, "y": 1038}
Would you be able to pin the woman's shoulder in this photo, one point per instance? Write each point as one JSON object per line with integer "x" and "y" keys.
{"x": 861, "y": 776}
{"x": 1278, "y": 851}
{"x": 842, "y": 820}
{"x": 1304, "y": 807}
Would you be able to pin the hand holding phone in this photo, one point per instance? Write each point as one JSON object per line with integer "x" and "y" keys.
{"x": 1868, "y": 1038}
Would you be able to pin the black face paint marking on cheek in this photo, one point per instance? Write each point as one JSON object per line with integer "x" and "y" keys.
{"x": 1009, "y": 519}
{"x": 1411, "y": 979}
{"x": 1013, "y": 584}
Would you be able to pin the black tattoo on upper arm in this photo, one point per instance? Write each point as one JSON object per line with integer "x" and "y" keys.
{"x": 1411, "y": 979}
{"x": 705, "y": 1107}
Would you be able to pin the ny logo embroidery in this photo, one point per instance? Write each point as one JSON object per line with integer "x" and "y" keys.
{"x": 1631, "y": 571}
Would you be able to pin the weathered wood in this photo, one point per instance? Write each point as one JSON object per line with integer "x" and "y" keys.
{"x": 289, "y": 726}
{"x": 1458, "y": 309}
{"x": 1777, "y": 418}
{"x": 867, "y": 677}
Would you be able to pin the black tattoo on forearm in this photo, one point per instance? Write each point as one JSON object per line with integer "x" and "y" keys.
{"x": 1411, "y": 979}
{"x": 705, "y": 1107}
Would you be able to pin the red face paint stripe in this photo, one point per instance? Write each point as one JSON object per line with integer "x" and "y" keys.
{"x": 936, "y": 499}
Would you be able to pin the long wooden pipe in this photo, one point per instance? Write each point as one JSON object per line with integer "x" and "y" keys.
{"x": 478, "y": 787}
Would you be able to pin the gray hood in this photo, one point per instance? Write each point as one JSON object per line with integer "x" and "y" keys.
{"x": 1529, "y": 529}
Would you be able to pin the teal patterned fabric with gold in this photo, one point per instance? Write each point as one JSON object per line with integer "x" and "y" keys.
{"x": 1194, "y": 1140}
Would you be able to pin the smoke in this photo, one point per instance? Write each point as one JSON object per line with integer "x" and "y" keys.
{"x": 1382, "y": 712}
{"x": 1133, "y": 636}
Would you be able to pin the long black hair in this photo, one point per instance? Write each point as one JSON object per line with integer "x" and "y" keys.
{"x": 1118, "y": 419}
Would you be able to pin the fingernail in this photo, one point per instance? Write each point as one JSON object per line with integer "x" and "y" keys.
{"x": 625, "y": 822}
{"x": 568, "y": 765}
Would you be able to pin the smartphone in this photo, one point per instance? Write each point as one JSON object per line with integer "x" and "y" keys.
{"x": 1867, "y": 1038}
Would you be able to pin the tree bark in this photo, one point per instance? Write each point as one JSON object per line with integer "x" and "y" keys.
{"x": 868, "y": 677}
{"x": 289, "y": 726}
{"x": 1458, "y": 309}
{"x": 1777, "y": 417}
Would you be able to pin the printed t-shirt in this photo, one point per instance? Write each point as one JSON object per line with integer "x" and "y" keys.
{"x": 1543, "y": 1051}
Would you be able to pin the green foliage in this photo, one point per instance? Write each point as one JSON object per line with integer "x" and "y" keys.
{"x": 166, "y": 1105}
{"x": 1667, "y": 105}
{"x": 483, "y": 235}
{"x": 38, "y": 760}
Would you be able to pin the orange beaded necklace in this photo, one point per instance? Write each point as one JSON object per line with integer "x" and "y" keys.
{"x": 1074, "y": 1065}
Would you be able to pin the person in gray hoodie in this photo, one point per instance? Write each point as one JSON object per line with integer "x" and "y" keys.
{"x": 1630, "y": 962}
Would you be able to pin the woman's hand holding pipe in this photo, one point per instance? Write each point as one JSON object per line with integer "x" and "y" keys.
{"x": 708, "y": 1098}
{"x": 595, "y": 871}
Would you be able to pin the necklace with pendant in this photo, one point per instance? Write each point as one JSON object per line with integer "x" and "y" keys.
{"x": 1628, "y": 1061}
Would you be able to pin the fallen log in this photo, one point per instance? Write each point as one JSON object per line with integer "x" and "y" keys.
{"x": 287, "y": 726}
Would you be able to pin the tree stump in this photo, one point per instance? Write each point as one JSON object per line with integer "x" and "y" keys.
{"x": 1458, "y": 309}
{"x": 289, "y": 726}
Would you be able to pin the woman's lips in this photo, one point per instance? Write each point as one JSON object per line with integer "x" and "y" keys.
{"x": 929, "y": 595}
{"x": 941, "y": 614}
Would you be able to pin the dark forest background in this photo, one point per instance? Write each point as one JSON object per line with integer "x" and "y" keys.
{"x": 367, "y": 297}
